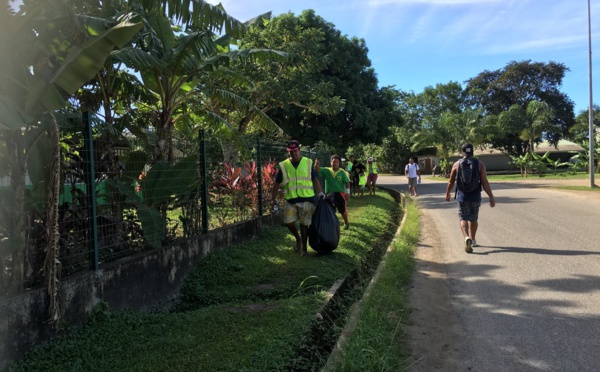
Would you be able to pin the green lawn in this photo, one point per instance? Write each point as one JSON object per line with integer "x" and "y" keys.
{"x": 250, "y": 308}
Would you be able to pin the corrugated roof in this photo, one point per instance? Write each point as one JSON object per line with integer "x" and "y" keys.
{"x": 562, "y": 146}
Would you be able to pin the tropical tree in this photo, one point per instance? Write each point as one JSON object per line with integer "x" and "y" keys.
{"x": 333, "y": 93}
{"x": 439, "y": 117}
{"x": 274, "y": 86}
{"x": 518, "y": 83}
{"x": 531, "y": 123}
{"x": 176, "y": 67}
{"x": 580, "y": 131}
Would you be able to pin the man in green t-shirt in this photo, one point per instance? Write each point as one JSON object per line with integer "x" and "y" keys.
{"x": 337, "y": 185}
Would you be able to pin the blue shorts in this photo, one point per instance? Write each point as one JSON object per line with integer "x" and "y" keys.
{"x": 469, "y": 211}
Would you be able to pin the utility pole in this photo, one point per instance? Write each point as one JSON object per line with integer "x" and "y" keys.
{"x": 592, "y": 132}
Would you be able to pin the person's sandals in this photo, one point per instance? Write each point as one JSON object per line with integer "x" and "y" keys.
{"x": 304, "y": 253}
{"x": 347, "y": 226}
{"x": 468, "y": 243}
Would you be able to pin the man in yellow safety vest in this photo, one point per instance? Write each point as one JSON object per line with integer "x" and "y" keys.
{"x": 298, "y": 178}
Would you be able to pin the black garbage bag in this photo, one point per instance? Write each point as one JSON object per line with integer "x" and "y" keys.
{"x": 324, "y": 232}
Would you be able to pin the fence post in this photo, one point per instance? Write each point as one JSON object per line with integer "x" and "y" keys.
{"x": 90, "y": 188}
{"x": 259, "y": 177}
{"x": 203, "y": 180}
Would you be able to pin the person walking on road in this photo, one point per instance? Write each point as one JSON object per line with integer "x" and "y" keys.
{"x": 470, "y": 176}
{"x": 298, "y": 178}
{"x": 413, "y": 173}
{"x": 337, "y": 186}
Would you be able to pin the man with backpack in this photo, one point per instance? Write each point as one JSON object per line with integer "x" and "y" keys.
{"x": 470, "y": 177}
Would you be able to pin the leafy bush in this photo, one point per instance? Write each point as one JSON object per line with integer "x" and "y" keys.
{"x": 234, "y": 190}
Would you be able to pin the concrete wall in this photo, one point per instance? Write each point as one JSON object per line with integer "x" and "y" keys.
{"x": 148, "y": 282}
{"x": 493, "y": 162}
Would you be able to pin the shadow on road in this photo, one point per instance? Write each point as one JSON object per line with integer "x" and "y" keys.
{"x": 552, "y": 252}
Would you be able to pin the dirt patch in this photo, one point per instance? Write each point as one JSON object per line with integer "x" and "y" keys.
{"x": 433, "y": 338}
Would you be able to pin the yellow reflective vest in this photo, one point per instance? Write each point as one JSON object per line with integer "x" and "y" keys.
{"x": 374, "y": 168}
{"x": 296, "y": 181}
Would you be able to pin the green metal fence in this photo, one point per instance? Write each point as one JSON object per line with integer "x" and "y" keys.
{"x": 116, "y": 201}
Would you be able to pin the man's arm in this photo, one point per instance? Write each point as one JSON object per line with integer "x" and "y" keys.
{"x": 406, "y": 171}
{"x": 276, "y": 187}
{"x": 346, "y": 181}
{"x": 486, "y": 184}
{"x": 451, "y": 182}
{"x": 317, "y": 186}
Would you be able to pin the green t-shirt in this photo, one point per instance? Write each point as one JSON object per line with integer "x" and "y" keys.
{"x": 334, "y": 181}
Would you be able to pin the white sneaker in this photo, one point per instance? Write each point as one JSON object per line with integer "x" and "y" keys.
{"x": 468, "y": 243}
{"x": 473, "y": 243}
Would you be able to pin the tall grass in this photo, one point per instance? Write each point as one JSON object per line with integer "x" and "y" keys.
{"x": 377, "y": 340}
{"x": 253, "y": 307}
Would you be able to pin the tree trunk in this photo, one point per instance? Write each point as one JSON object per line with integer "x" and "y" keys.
{"x": 17, "y": 229}
{"x": 52, "y": 266}
{"x": 164, "y": 141}
{"x": 230, "y": 152}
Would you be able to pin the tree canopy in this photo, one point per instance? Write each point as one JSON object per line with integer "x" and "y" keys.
{"x": 519, "y": 83}
{"x": 332, "y": 93}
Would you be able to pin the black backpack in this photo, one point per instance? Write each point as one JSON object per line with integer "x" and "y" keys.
{"x": 468, "y": 179}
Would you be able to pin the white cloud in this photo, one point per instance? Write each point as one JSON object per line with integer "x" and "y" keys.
{"x": 536, "y": 45}
{"x": 430, "y": 2}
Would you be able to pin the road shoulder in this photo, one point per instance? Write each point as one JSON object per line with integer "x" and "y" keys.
{"x": 433, "y": 335}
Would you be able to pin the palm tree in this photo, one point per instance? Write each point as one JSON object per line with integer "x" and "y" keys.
{"x": 531, "y": 123}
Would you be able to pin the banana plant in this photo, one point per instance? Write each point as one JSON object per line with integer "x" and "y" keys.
{"x": 522, "y": 162}
{"x": 555, "y": 164}
{"x": 159, "y": 188}
{"x": 41, "y": 70}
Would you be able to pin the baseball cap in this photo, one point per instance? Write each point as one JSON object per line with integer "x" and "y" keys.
{"x": 293, "y": 145}
{"x": 370, "y": 159}
{"x": 467, "y": 149}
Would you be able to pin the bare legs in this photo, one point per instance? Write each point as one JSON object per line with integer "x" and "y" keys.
{"x": 371, "y": 186}
{"x": 468, "y": 226}
{"x": 301, "y": 238}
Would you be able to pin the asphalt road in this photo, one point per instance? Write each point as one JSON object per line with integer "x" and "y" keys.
{"x": 528, "y": 298}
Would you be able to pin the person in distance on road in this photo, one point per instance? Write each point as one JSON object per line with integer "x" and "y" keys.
{"x": 471, "y": 176}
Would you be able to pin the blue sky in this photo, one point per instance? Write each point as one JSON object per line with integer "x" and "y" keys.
{"x": 418, "y": 43}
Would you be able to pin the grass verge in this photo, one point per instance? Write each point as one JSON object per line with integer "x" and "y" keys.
{"x": 578, "y": 188}
{"x": 250, "y": 308}
{"x": 377, "y": 340}
{"x": 548, "y": 176}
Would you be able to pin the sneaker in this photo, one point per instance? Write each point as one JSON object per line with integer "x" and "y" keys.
{"x": 347, "y": 226}
{"x": 468, "y": 243}
{"x": 473, "y": 243}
